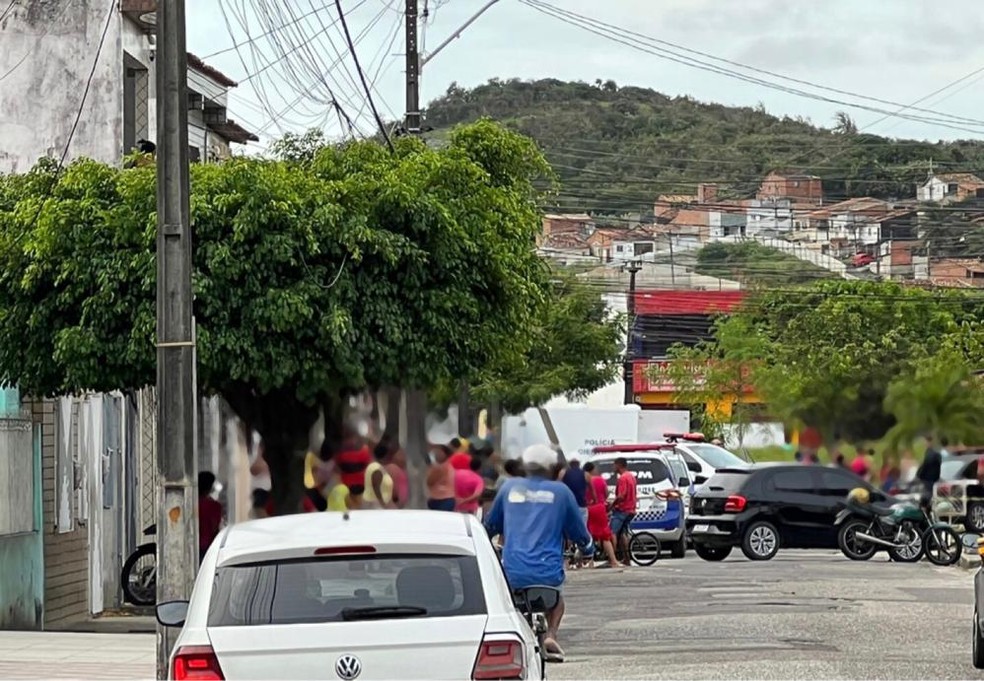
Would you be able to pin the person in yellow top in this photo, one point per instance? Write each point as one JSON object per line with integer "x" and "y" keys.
{"x": 338, "y": 497}
{"x": 379, "y": 483}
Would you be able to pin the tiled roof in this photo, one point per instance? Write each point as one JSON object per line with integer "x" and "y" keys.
{"x": 210, "y": 71}
{"x": 565, "y": 242}
{"x": 862, "y": 204}
{"x": 965, "y": 179}
{"x": 573, "y": 217}
{"x": 677, "y": 198}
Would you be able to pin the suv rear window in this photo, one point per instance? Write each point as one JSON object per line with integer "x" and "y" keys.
{"x": 727, "y": 481}
{"x": 647, "y": 471}
{"x": 324, "y": 590}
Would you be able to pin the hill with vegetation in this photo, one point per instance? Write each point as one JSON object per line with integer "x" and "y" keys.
{"x": 616, "y": 148}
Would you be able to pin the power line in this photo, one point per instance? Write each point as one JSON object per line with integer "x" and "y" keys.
{"x": 362, "y": 75}
{"x": 596, "y": 27}
{"x": 253, "y": 39}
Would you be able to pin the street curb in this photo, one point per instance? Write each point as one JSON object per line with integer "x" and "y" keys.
{"x": 969, "y": 561}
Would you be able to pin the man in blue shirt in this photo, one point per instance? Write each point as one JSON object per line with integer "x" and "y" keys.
{"x": 535, "y": 514}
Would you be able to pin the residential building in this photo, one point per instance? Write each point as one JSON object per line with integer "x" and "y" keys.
{"x": 663, "y": 319}
{"x": 581, "y": 224}
{"x": 693, "y": 220}
{"x": 48, "y": 52}
{"x": 797, "y": 187}
{"x": 950, "y": 187}
{"x": 956, "y": 272}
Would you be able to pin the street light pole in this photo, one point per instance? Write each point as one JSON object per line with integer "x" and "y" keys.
{"x": 632, "y": 268}
{"x": 177, "y": 529}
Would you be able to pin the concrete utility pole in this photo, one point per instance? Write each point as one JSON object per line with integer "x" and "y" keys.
{"x": 413, "y": 70}
{"x": 177, "y": 526}
{"x": 632, "y": 268}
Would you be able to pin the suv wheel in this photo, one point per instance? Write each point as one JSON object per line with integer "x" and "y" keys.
{"x": 975, "y": 517}
{"x": 761, "y": 541}
{"x": 712, "y": 553}
{"x": 678, "y": 549}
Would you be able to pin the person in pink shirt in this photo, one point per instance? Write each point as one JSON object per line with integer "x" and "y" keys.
{"x": 468, "y": 487}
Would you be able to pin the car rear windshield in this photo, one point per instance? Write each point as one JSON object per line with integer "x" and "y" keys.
{"x": 647, "y": 471}
{"x": 331, "y": 590}
{"x": 727, "y": 481}
{"x": 717, "y": 457}
{"x": 955, "y": 469}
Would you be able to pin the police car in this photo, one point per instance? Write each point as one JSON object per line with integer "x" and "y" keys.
{"x": 663, "y": 488}
{"x": 701, "y": 457}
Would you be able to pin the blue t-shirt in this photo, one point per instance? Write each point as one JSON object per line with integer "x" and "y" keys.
{"x": 577, "y": 484}
{"x": 535, "y": 515}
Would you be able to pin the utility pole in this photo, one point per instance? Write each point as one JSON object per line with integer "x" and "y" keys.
{"x": 413, "y": 70}
{"x": 177, "y": 527}
{"x": 633, "y": 267}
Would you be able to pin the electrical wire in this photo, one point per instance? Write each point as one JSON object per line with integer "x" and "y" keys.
{"x": 362, "y": 75}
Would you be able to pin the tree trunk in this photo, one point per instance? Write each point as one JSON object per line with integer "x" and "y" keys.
{"x": 285, "y": 424}
{"x": 465, "y": 420}
{"x": 392, "y": 412}
{"x": 416, "y": 445}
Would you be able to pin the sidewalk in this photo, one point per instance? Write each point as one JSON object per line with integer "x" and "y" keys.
{"x": 33, "y": 655}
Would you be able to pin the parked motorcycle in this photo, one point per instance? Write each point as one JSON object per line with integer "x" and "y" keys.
{"x": 139, "y": 575}
{"x": 906, "y": 531}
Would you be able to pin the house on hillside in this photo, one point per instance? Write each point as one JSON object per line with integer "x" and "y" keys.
{"x": 796, "y": 187}
{"x": 954, "y": 272}
{"x": 698, "y": 218}
{"x": 580, "y": 224}
{"x": 950, "y": 187}
{"x": 858, "y": 225}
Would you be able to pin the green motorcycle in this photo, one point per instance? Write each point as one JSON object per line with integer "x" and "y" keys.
{"x": 906, "y": 531}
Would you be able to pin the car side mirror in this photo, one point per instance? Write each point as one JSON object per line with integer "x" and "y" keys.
{"x": 683, "y": 482}
{"x": 700, "y": 480}
{"x": 172, "y": 613}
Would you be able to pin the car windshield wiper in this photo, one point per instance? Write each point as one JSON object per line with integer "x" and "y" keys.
{"x": 382, "y": 612}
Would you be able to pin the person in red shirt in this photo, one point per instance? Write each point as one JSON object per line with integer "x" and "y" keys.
{"x": 352, "y": 460}
{"x": 460, "y": 459}
{"x": 860, "y": 466}
{"x": 468, "y": 487}
{"x": 209, "y": 513}
{"x": 624, "y": 506}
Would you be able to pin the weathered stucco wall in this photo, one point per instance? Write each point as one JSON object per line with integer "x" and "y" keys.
{"x": 48, "y": 46}
{"x": 21, "y": 552}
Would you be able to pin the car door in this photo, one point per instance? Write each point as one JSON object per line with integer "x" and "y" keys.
{"x": 795, "y": 505}
{"x": 833, "y": 488}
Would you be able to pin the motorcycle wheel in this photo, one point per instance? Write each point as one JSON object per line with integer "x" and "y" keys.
{"x": 913, "y": 550}
{"x": 135, "y": 589}
{"x": 942, "y": 545}
{"x": 850, "y": 545}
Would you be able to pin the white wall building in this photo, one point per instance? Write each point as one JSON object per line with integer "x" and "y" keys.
{"x": 48, "y": 52}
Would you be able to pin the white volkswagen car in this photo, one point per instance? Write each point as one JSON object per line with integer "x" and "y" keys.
{"x": 360, "y": 595}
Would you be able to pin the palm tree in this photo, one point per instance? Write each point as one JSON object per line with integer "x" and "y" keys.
{"x": 943, "y": 398}
{"x": 845, "y": 124}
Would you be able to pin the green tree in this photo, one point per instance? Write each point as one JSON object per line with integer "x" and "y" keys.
{"x": 718, "y": 374}
{"x": 576, "y": 348}
{"x": 942, "y": 398}
{"x": 356, "y": 269}
{"x": 836, "y": 346}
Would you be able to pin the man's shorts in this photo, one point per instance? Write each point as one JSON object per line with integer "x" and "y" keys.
{"x": 620, "y": 521}
{"x": 584, "y": 514}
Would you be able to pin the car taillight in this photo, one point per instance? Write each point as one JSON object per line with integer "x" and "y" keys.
{"x": 668, "y": 495}
{"x": 735, "y": 504}
{"x": 196, "y": 663}
{"x": 500, "y": 660}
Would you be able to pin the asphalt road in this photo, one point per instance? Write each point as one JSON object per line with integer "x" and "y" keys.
{"x": 803, "y": 615}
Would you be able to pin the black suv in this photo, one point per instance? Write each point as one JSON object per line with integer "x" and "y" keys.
{"x": 767, "y": 506}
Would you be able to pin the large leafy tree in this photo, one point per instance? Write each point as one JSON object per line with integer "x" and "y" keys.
{"x": 576, "y": 348}
{"x": 341, "y": 269}
{"x": 835, "y": 347}
{"x": 717, "y": 375}
{"x": 941, "y": 397}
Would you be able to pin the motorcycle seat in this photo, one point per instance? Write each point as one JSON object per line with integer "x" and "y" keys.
{"x": 880, "y": 511}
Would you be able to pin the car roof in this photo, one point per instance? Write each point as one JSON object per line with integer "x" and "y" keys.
{"x": 299, "y": 535}
{"x": 633, "y": 448}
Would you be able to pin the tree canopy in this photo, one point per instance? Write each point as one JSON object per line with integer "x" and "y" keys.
{"x": 616, "y": 148}
{"x": 334, "y": 271}
{"x": 830, "y": 354}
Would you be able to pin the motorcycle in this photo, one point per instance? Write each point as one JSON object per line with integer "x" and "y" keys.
{"x": 907, "y": 531}
{"x": 534, "y": 602}
{"x": 139, "y": 579}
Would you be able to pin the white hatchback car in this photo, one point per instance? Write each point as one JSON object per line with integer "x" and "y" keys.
{"x": 359, "y": 595}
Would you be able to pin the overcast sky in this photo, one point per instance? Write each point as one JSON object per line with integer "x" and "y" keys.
{"x": 896, "y": 50}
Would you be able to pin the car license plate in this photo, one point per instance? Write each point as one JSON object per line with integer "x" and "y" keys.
{"x": 701, "y": 528}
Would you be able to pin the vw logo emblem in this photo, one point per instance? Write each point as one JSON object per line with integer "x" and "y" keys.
{"x": 348, "y": 667}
